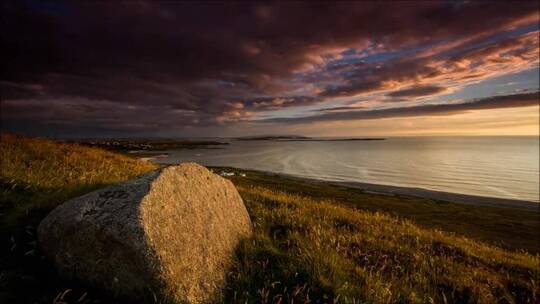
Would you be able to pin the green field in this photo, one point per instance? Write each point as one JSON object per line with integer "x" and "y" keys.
{"x": 312, "y": 242}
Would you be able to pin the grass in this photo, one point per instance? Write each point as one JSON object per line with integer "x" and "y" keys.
{"x": 39, "y": 174}
{"x": 312, "y": 242}
{"x": 508, "y": 228}
{"x": 311, "y": 249}
{"x": 36, "y": 176}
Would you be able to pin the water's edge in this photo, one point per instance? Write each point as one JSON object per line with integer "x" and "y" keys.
{"x": 418, "y": 192}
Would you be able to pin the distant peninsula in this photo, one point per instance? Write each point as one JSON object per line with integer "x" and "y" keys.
{"x": 302, "y": 138}
{"x": 149, "y": 144}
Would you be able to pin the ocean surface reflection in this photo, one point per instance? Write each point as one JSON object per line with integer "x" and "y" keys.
{"x": 505, "y": 167}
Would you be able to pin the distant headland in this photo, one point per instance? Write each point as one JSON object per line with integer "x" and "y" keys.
{"x": 302, "y": 138}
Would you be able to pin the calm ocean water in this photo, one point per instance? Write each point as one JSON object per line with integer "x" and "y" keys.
{"x": 505, "y": 167}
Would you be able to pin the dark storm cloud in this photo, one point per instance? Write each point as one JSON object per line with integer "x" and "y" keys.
{"x": 494, "y": 102}
{"x": 161, "y": 65}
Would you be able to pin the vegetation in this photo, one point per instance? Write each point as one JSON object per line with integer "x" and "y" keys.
{"x": 507, "y": 228}
{"x": 148, "y": 145}
{"x": 37, "y": 175}
{"x": 312, "y": 242}
{"x": 308, "y": 249}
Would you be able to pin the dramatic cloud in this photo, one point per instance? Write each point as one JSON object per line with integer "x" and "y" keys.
{"x": 458, "y": 68}
{"x": 134, "y": 66}
{"x": 494, "y": 102}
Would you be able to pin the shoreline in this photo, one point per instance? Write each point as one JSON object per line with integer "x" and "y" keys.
{"x": 389, "y": 190}
{"x": 444, "y": 196}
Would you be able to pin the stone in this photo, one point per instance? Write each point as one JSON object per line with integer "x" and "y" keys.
{"x": 168, "y": 235}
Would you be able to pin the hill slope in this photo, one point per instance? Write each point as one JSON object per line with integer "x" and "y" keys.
{"x": 307, "y": 248}
{"x": 37, "y": 175}
{"x": 308, "y": 244}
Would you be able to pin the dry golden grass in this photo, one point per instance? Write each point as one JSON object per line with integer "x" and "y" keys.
{"x": 40, "y": 173}
{"x": 47, "y": 164}
{"x": 307, "y": 249}
{"x": 37, "y": 175}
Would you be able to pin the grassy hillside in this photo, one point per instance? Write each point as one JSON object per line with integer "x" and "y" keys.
{"x": 37, "y": 175}
{"x": 308, "y": 248}
{"x": 312, "y": 242}
{"x": 512, "y": 229}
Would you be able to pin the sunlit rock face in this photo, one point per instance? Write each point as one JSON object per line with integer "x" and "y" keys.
{"x": 170, "y": 234}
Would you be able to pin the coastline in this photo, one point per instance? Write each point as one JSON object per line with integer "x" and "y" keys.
{"x": 444, "y": 196}
{"x": 400, "y": 191}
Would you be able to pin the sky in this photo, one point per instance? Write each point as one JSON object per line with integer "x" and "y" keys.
{"x": 174, "y": 69}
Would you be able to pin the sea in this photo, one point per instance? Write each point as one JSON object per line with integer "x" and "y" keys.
{"x": 502, "y": 167}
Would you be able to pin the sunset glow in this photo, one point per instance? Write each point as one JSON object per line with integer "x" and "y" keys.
{"x": 89, "y": 70}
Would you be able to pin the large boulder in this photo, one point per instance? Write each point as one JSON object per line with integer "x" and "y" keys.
{"x": 170, "y": 235}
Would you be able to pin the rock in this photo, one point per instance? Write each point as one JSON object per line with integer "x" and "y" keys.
{"x": 169, "y": 235}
